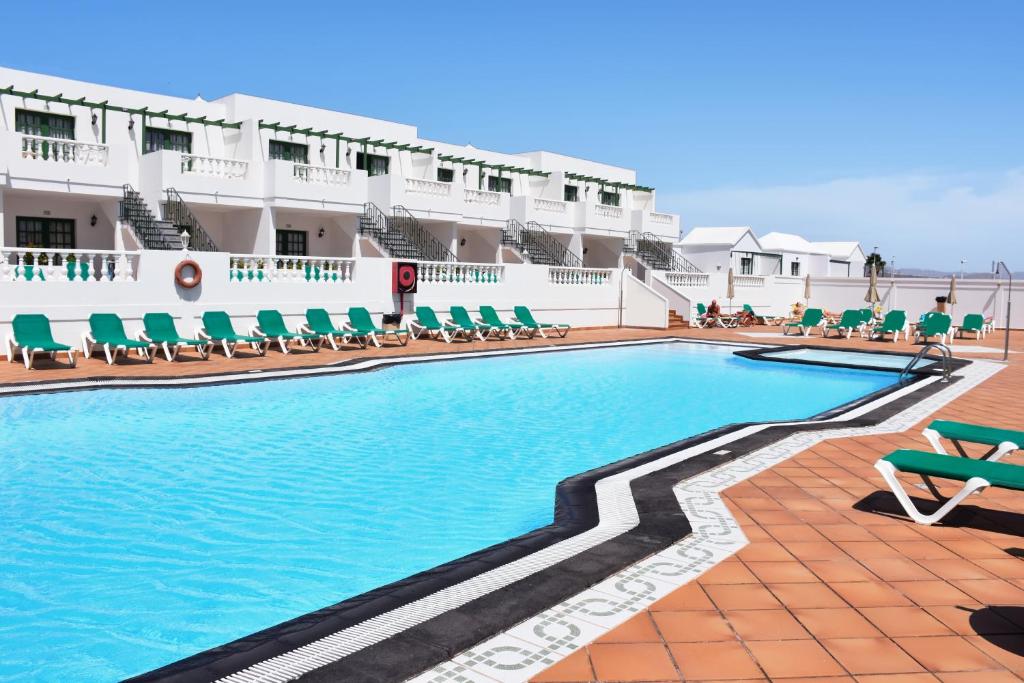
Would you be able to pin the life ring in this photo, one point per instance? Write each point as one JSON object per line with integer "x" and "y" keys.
{"x": 185, "y": 282}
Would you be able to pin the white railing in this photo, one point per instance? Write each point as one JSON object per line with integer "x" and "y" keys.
{"x": 214, "y": 166}
{"x": 749, "y": 280}
{"x": 608, "y": 211}
{"x": 445, "y": 272}
{"x": 64, "y": 151}
{"x": 311, "y": 269}
{"x": 663, "y": 218}
{"x": 687, "y": 279}
{"x": 485, "y": 197}
{"x": 434, "y": 188}
{"x": 549, "y": 205}
{"x": 579, "y": 276}
{"x": 321, "y": 175}
{"x": 67, "y": 265}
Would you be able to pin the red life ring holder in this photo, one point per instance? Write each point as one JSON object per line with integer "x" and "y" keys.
{"x": 188, "y": 282}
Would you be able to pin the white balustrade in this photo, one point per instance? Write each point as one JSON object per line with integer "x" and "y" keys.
{"x": 749, "y": 280}
{"x": 64, "y": 151}
{"x": 248, "y": 268}
{"x": 663, "y": 218}
{"x": 446, "y": 272}
{"x": 232, "y": 169}
{"x": 608, "y": 211}
{"x": 321, "y": 175}
{"x": 549, "y": 205}
{"x": 558, "y": 275}
{"x": 67, "y": 265}
{"x": 435, "y": 188}
{"x": 687, "y": 279}
{"x": 484, "y": 197}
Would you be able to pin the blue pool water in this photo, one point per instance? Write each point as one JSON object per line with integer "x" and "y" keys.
{"x": 873, "y": 360}
{"x": 138, "y": 527}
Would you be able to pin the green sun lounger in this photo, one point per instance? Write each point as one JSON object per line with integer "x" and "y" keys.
{"x": 973, "y": 322}
{"x": 31, "y": 334}
{"x": 489, "y": 316}
{"x": 427, "y": 322}
{"x": 107, "y": 331}
{"x": 975, "y": 475}
{"x": 850, "y": 322}
{"x": 159, "y": 329}
{"x": 762, "y": 319}
{"x": 1000, "y": 441}
{"x": 934, "y": 325}
{"x": 318, "y": 321}
{"x": 361, "y": 323}
{"x": 523, "y": 315}
{"x": 894, "y": 323}
{"x": 460, "y": 317}
{"x": 811, "y": 319}
{"x": 217, "y": 327}
{"x": 270, "y": 324}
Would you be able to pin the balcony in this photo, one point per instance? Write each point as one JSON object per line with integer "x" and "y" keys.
{"x": 37, "y": 162}
{"x": 200, "y": 179}
{"x": 555, "y": 214}
{"x": 424, "y": 198}
{"x": 321, "y": 187}
{"x": 664, "y": 225}
{"x": 485, "y": 208}
{"x": 605, "y": 218}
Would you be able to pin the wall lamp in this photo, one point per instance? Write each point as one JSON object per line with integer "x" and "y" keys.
{"x": 462, "y": 242}
{"x": 323, "y": 146}
{"x": 94, "y": 117}
{"x": 92, "y": 221}
{"x": 321, "y": 232}
{"x": 131, "y": 124}
{"x": 348, "y": 151}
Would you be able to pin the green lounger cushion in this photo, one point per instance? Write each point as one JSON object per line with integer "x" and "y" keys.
{"x": 999, "y": 474}
{"x": 271, "y": 323}
{"x": 426, "y": 317}
{"x": 851, "y": 320}
{"x": 812, "y": 317}
{"x": 319, "y": 320}
{"x": 524, "y": 315}
{"x": 935, "y": 324}
{"x": 32, "y": 331}
{"x": 107, "y": 328}
{"x": 360, "y": 319}
{"x": 218, "y": 325}
{"x": 491, "y": 317}
{"x": 989, "y": 436}
{"x": 894, "y": 321}
{"x": 973, "y": 322}
{"x": 160, "y": 328}
{"x": 460, "y": 316}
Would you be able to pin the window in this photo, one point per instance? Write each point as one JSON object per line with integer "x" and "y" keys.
{"x": 499, "y": 184}
{"x": 746, "y": 265}
{"x": 289, "y": 151}
{"x": 45, "y": 233}
{"x": 445, "y": 175}
{"x": 45, "y": 124}
{"x": 373, "y": 164}
{"x": 160, "y": 138}
{"x": 794, "y": 269}
{"x": 291, "y": 242}
{"x": 571, "y": 193}
{"x": 609, "y": 198}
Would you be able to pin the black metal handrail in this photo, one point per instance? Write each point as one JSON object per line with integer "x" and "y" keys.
{"x": 177, "y": 212}
{"x": 373, "y": 221}
{"x": 133, "y": 210}
{"x": 536, "y": 237}
{"x": 428, "y": 246}
{"x": 657, "y": 253}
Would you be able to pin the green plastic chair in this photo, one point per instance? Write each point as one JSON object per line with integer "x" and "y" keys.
{"x": 460, "y": 317}
{"x": 270, "y": 324}
{"x": 318, "y": 321}
{"x": 217, "y": 327}
{"x": 893, "y": 323}
{"x": 159, "y": 329}
{"x": 490, "y": 317}
{"x": 361, "y": 323}
{"x": 934, "y": 325}
{"x": 524, "y": 316}
{"x": 812, "y": 318}
{"x": 426, "y": 322}
{"x": 31, "y": 334}
{"x": 973, "y": 322}
{"x": 850, "y": 321}
{"x": 107, "y": 330}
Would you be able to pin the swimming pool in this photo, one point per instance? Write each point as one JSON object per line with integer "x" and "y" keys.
{"x": 871, "y": 360}
{"x": 143, "y": 526}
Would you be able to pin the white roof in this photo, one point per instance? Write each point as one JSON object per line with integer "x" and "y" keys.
{"x": 788, "y": 242}
{"x": 843, "y": 250}
{"x": 713, "y": 236}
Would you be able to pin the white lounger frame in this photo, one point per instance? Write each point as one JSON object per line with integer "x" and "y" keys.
{"x": 889, "y": 473}
{"x": 416, "y": 330}
{"x": 28, "y": 354}
{"x": 171, "y": 352}
{"x": 229, "y": 347}
{"x": 997, "y": 452}
{"x": 561, "y": 329}
{"x": 372, "y": 336}
{"x": 89, "y": 345}
{"x": 255, "y": 331}
{"x": 332, "y": 339}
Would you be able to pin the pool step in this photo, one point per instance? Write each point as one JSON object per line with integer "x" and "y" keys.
{"x": 676, "y": 321}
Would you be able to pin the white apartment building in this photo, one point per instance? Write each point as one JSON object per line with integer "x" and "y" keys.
{"x": 87, "y": 166}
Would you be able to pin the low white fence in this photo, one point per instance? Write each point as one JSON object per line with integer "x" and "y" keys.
{"x": 321, "y": 175}
{"x": 579, "y": 276}
{"x": 67, "y": 265}
{"x": 687, "y": 279}
{"x": 64, "y": 151}
{"x": 244, "y": 268}
{"x": 214, "y": 166}
{"x": 444, "y": 272}
{"x": 485, "y": 197}
{"x": 749, "y": 280}
{"x": 435, "y": 188}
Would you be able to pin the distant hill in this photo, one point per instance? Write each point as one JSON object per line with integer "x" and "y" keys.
{"x": 973, "y": 275}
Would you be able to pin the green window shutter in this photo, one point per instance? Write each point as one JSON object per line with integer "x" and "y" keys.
{"x": 44, "y": 233}
{"x": 445, "y": 175}
{"x": 609, "y": 198}
{"x": 158, "y": 139}
{"x": 292, "y": 243}
{"x": 289, "y": 151}
{"x": 571, "y": 193}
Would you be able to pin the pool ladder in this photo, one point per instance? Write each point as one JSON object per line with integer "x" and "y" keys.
{"x": 947, "y": 356}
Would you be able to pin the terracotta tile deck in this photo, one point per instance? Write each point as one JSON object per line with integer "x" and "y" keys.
{"x": 829, "y": 588}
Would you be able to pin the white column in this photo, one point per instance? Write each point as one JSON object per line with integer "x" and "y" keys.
{"x": 453, "y": 238}
{"x": 2, "y": 235}
{"x": 266, "y": 233}
{"x": 576, "y": 244}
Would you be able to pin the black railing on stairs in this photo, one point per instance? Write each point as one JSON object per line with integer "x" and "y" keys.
{"x": 538, "y": 244}
{"x": 177, "y": 212}
{"x": 428, "y": 247}
{"x": 148, "y": 231}
{"x": 656, "y": 253}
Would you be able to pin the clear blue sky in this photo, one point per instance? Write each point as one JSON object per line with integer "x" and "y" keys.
{"x": 896, "y": 123}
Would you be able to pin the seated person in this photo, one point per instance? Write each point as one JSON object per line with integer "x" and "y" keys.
{"x": 714, "y": 313}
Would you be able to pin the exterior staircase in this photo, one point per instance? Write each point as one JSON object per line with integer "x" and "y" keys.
{"x": 676, "y": 321}
{"x": 176, "y": 212}
{"x": 656, "y": 254}
{"x": 400, "y": 235}
{"x": 537, "y": 245}
{"x": 162, "y": 234}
